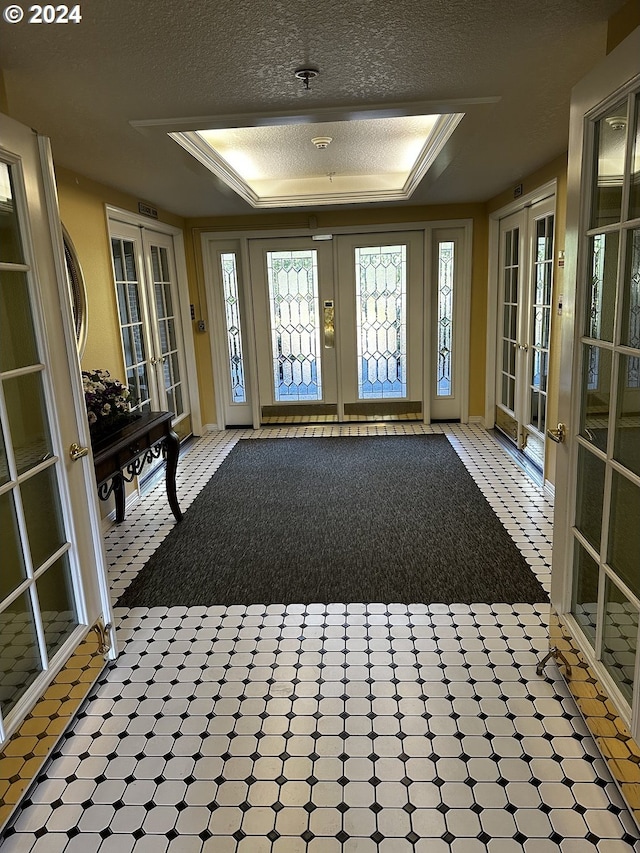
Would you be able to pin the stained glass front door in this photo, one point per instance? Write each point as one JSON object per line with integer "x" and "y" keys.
{"x": 339, "y": 347}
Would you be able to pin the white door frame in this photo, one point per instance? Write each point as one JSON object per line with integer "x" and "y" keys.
{"x": 208, "y": 239}
{"x": 116, "y": 214}
{"x": 535, "y": 196}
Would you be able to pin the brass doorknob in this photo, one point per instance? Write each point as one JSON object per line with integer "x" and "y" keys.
{"x": 558, "y": 435}
{"x": 76, "y": 452}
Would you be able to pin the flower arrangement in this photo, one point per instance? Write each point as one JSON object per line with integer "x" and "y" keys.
{"x": 108, "y": 402}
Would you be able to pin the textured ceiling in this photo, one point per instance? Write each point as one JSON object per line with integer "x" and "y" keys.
{"x": 136, "y": 60}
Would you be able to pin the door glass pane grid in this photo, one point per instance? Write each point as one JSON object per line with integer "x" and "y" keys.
{"x": 381, "y": 324}
{"x": 166, "y": 324}
{"x": 34, "y": 533}
{"x": 131, "y": 321}
{"x": 234, "y": 334}
{"x": 620, "y": 638}
{"x": 541, "y": 322}
{"x": 602, "y": 286}
{"x": 444, "y": 320}
{"x": 295, "y": 333}
{"x": 510, "y": 294}
{"x": 630, "y": 335}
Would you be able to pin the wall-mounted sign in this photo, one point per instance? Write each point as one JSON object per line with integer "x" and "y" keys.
{"x": 147, "y": 210}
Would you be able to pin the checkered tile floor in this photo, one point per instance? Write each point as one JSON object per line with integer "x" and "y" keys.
{"x": 341, "y": 728}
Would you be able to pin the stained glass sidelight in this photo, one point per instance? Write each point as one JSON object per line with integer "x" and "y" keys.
{"x": 381, "y": 300}
{"x": 444, "y": 387}
{"x": 234, "y": 335}
{"x": 295, "y": 333}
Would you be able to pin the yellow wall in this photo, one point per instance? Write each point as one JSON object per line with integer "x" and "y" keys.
{"x": 622, "y": 23}
{"x": 82, "y": 210}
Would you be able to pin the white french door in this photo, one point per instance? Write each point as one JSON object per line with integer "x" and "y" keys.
{"x": 596, "y": 567}
{"x": 525, "y": 288}
{"x": 144, "y": 269}
{"x": 339, "y": 332}
{"x": 53, "y": 586}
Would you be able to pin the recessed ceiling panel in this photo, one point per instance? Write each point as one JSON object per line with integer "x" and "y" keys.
{"x": 313, "y": 163}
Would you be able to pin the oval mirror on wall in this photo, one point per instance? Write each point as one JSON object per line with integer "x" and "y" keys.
{"x": 78, "y": 291}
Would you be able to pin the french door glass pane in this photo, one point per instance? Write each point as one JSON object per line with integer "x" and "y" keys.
{"x": 540, "y": 321}
{"x": 602, "y": 286}
{"x": 28, "y": 420}
{"x": 634, "y": 201}
{"x": 14, "y": 571}
{"x": 608, "y": 168}
{"x": 234, "y": 335}
{"x": 55, "y": 596}
{"x": 295, "y": 331}
{"x": 631, "y": 301}
{"x": 381, "y": 323}
{"x": 131, "y": 328}
{"x": 585, "y": 591}
{"x": 17, "y": 340}
{"x": 10, "y": 240}
{"x": 20, "y": 661}
{"x": 596, "y": 395}
{"x": 590, "y": 496}
{"x": 624, "y": 531}
{"x": 165, "y": 320}
{"x": 30, "y": 507}
{"x": 45, "y": 528}
{"x": 620, "y": 638}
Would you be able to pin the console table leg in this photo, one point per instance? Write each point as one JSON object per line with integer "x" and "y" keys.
{"x": 118, "y": 494}
{"x": 172, "y": 444}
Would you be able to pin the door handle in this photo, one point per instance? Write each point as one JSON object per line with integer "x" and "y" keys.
{"x": 76, "y": 452}
{"x": 559, "y": 434}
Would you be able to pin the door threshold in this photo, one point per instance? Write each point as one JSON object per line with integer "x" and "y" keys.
{"x": 533, "y": 471}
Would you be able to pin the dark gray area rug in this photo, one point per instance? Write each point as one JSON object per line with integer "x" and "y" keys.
{"x": 381, "y": 519}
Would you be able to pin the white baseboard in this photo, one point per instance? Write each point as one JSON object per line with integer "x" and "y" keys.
{"x": 549, "y": 488}
{"x": 210, "y": 427}
{"x": 476, "y": 419}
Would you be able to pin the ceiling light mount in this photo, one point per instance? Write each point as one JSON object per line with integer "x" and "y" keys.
{"x": 616, "y": 122}
{"x": 306, "y": 75}
{"x": 322, "y": 142}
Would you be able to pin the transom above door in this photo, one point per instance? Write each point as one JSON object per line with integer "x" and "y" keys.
{"x": 339, "y": 334}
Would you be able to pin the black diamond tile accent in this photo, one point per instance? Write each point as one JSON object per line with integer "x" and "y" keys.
{"x": 409, "y": 808}
{"x": 310, "y": 807}
{"x": 376, "y": 808}
{"x": 342, "y": 807}
{"x": 342, "y": 836}
{"x": 377, "y": 837}
{"x": 307, "y": 836}
{"x": 412, "y": 838}
{"x": 239, "y": 835}
{"x": 277, "y": 807}
{"x": 484, "y": 838}
{"x": 273, "y": 835}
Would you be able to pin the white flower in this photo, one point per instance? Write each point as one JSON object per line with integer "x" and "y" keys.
{"x": 105, "y": 409}
{"x": 92, "y": 418}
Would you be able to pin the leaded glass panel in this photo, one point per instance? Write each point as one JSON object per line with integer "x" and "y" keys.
{"x": 634, "y": 196}
{"x": 165, "y": 323}
{"x": 446, "y": 257}
{"x": 295, "y": 331}
{"x": 596, "y": 395}
{"x": 541, "y": 321}
{"x": 602, "y": 286}
{"x": 234, "y": 332}
{"x": 381, "y": 324}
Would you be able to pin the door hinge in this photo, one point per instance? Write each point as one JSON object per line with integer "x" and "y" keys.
{"x": 103, "y": 633}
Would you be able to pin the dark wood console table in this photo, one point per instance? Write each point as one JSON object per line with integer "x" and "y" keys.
{"x": 121, "y": 458}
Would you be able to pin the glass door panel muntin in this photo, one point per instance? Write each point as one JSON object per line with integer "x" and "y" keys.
{"x": 606, "y": 363}
{"x": 31, "y": 443}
